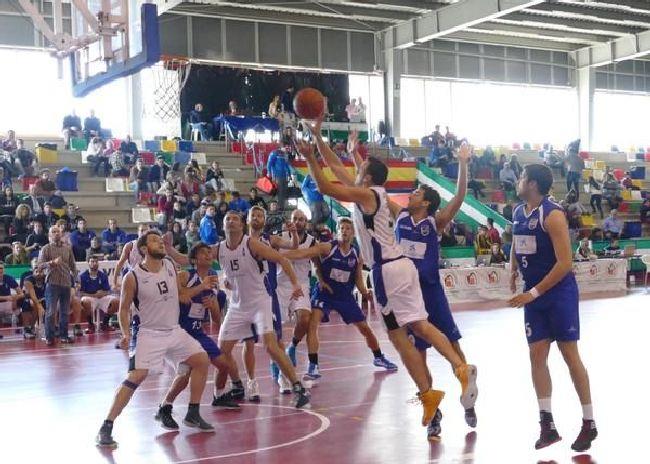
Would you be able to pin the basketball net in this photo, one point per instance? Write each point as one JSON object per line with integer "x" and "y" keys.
{"x": 169, "y": 77}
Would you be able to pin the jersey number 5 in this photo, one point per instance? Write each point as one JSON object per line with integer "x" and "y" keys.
{"x": 234, "y": 264}
{"x": 162, "y": 287}
{"x": 524, "y": 262}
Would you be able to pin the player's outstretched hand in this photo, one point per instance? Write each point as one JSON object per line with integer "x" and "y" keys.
{"x": 297, "y": 292}
{"x": 464, "y": 152}
{"x": 314, "y": 125}
{"x": 521, "y": 300}
{"x": 305, "y": 148}
{"x": 353, "y": 142}
{"x": 210, "y": 282}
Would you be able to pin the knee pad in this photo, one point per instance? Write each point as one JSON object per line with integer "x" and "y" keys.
{"x": 131, "y": 385}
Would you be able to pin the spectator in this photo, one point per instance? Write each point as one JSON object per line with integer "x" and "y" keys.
{"x": 239, "y": 204}
{"x": 96, "y": 146}
{"x": 612, "y": 191}
{"x": 8, "y": 205}
{"x": 362, "y": 110}
{"x": 208, "y": 228}
{"x": 645, "y": 209}
{"x": 497, "y": 256}
{"x": 130, "y": 150}
{"x": 222, "y": 209}
{"x": 584, "y": 251}
{"x": 613, "y": 249}
{"x": 178, "y": 214}
{"x": 493, "y": 233}
{"x": 482, "y": 243}
{"x": 26, "y": 160}
{"x": 450, "y": 139}
{"x": 574, "y": 210}
{"x": 138, "y": 177}
{"x": 255, "y": 200}
{"x": 440, "y": 155}
{"x": 36, "y": 240}
{"x": 214, "y": 176}
{"x": 627, "y": 182}
{"x": 71, "y": 128}
{"x": 18, "y": 254}
{"x": 103, "y": 158}
{"x": 95, "y": 293}
{"x": 65, "y": 236}
{"x": 48, "y": 217}
{"x": 80, "y": 240}
{"x": 178, "y": 238}
{"x": 287, "y": 99}
{"x": 166, "y": 206}
{"x": 233, "y": 108}
{"x": 9, "y": 144}
{"x": 278, "y": 168}
{"x": 5, "y": 171}
{"x": 447, "y": 237}
{"x": 502, "y": 161}
{"x": 118, "y": 166}
{"x": 476, "y": 186}
{"x": 198, "y": 214}
{"x": 507, "y": 177}
{"x": 190, "y": 184}
{"x": 113, "y": 236}
{"x": 575, "y": 165}
{"x": 275, "y": 219}
{"x": 44, "y": 186}
{"x": 274, "y": 107}
{"x": 192, "y": 205}
{"x": 97, "y": 250}
{"x": 612, "y": 226}
{"x": 197, "y": 121}
{"x": 507, "y": 211}
{"x": 71, "y": 217}
{"x": 8, "y": 301}
{"x": 192, "y": 236}
{"x": 33, "y": 305}
{"x": 92, "y": 126}
{"x": 554, "y": 161}
{"x": 320, "y": 211}
{"x": 21, "y": 222}
{"x": 506, "y": 239}
{"x": 61, "y": 270}
{"x": 352, "y": 111}
{"x": 158, "y": 173}
{"x": 515, "y": 166}
{"x": 596, "y": 191}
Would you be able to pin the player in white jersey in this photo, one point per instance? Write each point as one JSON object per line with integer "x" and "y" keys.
{"x": 300, "y": 307}
{"x": 250, "y": 302}
{"x": 154, "y": 288}
{"x": 395, "y": 278}
{"x": 130, "y": 257}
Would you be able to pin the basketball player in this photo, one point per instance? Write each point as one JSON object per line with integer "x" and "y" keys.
{"x": 395, "y": 278}
{"x": 192, "y": 317}
{"x": 300, "y": 307}
{"x": 541, "y": 251}
{"x": 154, "y": 288}
{"x": 130, "y": 257}
{"x": 340, "y": 270}
{"x": 417, "y": 229}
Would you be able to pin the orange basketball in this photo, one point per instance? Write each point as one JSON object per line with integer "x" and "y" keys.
{"x": 309, "y": 103}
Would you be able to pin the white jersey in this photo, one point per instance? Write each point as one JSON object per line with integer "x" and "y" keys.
{"x": 375, "y": 232}
{"x": 302, "y": 267}
{"x": 156, "y": 297}
{"x": 135, "y": 257}
{"x": 246, "y": 277}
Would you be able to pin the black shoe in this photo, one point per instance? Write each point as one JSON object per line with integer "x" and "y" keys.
{"x": 470, "y": 417}
{"x": 76, "y": 331}
{"x": 588, "y": 433}
{"x": 301, "y": 395}
{"x": 434, "y": 428}
{"x": 196, "y": 421}
{"x": 547, "y": 435}
{"x": 28, "y": 333}
{"x": 164, "y": 416}
{"x": 237, "y": 393}
{"x": 67, "y": 340}
{"x": 225, "y": 401}
{"x": 105, "y": 436}
{"x": 49, "y": 341}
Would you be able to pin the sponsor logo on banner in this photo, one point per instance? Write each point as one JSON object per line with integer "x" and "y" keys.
{"x": 493, "y": 277}
{"x": 532, "y": 224}
{"x": 611, "y": 269}
{"x": 471, "y": 279}
{"x": 593, "y": 270}
{"x": 449, "y": 280}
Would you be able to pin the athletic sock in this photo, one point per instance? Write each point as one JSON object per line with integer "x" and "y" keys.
{"x": 544, "y": 405}
{"x": 295, "y": 341}
{"x": 587, "y": 412}
{"x": 377, "y": 353}
{"x": 193, "y": 408}
{"x": 313, "y": 358}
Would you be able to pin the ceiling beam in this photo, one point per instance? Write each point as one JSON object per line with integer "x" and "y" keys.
{"x": 500, "y": 39}
{"x": 621, "y": 49}
{"x": 592, "y": 14}
{"x": 549, "y": 22}
{"x": 621, "y": 5}
{"x": 450, "y": 19}
{"x": 582, "y": 38}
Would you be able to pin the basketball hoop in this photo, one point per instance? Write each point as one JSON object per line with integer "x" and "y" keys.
{"x": 169, "y": 77}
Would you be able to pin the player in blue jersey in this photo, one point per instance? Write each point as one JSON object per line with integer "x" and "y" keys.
{"x": 340, "y": 270}
{"x": 193, "y": 314}
{"x": 541, "y": 252}
{"x": 417, "y": 230}
{"x": 395, "y": 279}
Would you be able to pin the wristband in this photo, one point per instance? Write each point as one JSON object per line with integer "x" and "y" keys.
{"x": 533, "y": 291}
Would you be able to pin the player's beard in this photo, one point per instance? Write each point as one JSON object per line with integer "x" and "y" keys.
{"x": 157, "y": 254}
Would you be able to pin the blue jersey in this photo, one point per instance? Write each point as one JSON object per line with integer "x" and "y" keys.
{"x": 194, "y": 314}
{"x": 271, "y": 278}
{"x": 420, "y": 242}
{"x": 339, "y": 270}
{"x": 533, "y": 246}
{"x": 91, "y": 285}
{"x": 7, "y": 283}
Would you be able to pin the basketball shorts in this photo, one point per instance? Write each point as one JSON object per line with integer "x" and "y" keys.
{"x": 238, "y": 325}
{"x": 555, "y": 314}
{"x": 277, "y": 322}
{"x": 437, "y": 306}
{"x": 102, "y": 303}
{"x": 289, "y": 306}
{"x": 150, "y": 348}
{"x": 207, "y": 343}
{"x": 348, "y": 308}
{"x": 397, "y": 293}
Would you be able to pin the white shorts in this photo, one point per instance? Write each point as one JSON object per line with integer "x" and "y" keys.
{"x": 398, "y": 294}
{"x": 237, "y": 325}
{"x": 102, "y": 303}
{"x": 153, "y": 346}
{"x": 289, "y": 306}
{"x": 6, "y": 307}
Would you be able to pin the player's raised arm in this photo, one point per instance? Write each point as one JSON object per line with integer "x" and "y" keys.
{"x": 117, "y": 272}
{"x": 362, "y": 196}
{"x": 359, "y": 281}
{"x": 331, "y": 159}
{"x": 446, "y": 214}
{"x": 279, "y": 243}
{"x": 316, "y": 251}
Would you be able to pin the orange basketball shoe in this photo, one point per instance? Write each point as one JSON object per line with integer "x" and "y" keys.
{"x": 466, "y": 375}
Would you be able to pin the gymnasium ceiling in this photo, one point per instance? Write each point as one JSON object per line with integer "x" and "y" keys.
{"x": 602, "y": 31}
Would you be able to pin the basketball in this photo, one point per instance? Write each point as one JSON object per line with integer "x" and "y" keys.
{"x": 309, "y": 103}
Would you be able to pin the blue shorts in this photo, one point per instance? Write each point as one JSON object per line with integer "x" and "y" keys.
{"x": 348, "y": 308}
{"x": 208, "y": 344}
{"x": 554, "y": 315}
{"x": 437, "y": 306}
{"x": 277, "y": 321}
